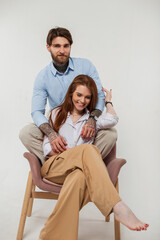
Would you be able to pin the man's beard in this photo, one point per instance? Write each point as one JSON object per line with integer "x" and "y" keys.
{"x": 59, "y": 63}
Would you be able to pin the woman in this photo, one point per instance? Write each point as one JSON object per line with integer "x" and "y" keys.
{"x": 80, "y": 100}
{"x": 80, "y": 168}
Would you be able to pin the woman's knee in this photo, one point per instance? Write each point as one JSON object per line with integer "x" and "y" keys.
{"x": 89, "y": 147}
{"x": 90, "y": 151}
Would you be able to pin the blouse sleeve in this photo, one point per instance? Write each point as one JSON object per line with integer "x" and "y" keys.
{"x": 106, "y": 120}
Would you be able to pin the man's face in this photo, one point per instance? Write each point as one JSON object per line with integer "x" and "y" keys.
{"x": 60, "y": 50}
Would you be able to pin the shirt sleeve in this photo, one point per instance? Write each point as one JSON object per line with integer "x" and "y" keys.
{"x": 106, "y": 120}
{"x": 94, "y": 74}
{"x": 39, "y": 100}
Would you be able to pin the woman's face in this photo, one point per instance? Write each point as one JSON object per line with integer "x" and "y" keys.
{"x": 81, "y": 98}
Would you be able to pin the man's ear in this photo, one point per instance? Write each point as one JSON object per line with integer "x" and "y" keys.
{"x": 48, "y": 48}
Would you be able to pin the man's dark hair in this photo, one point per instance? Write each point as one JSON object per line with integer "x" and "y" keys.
{"x": 59, "y": 32}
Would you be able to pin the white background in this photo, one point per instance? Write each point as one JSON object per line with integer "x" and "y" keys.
{"x": 122, "y": 39}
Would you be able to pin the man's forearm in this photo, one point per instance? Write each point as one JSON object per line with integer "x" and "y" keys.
{"x": 89, "y": 129}
{"x": 48, "y": 131}
{"x": 96, "y": 113}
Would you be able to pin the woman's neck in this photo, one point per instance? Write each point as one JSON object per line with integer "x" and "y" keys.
{"x": 77, "y": 113}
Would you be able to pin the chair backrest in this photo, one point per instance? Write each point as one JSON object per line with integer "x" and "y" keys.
{"x": 114, "y": 167}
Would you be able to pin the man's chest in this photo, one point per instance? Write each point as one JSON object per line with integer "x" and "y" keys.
{"x": 57, "y": 86}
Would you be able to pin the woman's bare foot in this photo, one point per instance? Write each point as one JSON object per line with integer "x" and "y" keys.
{"x": 125, "y": 216}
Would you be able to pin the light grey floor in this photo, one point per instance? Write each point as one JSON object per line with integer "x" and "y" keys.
{"x": 91, "y": 224}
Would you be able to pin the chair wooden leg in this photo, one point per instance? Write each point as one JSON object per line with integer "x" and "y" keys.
{"x": 117, "y": 230}
{"x": 116, "y": 223}
{"x": 25, "y": 207}
{"x": 29, "y": 212}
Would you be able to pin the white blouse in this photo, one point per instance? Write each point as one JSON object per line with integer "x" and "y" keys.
{"x": 72, "y": 132}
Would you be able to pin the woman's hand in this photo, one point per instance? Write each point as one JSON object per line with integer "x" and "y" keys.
{"x": 108, "y": 97}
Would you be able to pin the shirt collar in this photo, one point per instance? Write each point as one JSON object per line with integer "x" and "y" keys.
{"x": 54, "y": 70}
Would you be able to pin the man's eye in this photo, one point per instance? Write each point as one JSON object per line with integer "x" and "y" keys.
{"x": 56, "y": 45}
{"x": 66, "y": 45}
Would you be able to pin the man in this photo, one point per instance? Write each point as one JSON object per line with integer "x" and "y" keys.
{"x": 52, "y": 84}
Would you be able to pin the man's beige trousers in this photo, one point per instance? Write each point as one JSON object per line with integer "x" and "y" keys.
{"x": 84, "y": 176}
{"x": 32, "y": 137}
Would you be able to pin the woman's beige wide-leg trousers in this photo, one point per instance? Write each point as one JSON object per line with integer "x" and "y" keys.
{"x": 85, "y": 178}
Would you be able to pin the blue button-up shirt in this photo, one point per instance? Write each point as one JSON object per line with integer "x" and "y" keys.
{"x": 53, "y": 85}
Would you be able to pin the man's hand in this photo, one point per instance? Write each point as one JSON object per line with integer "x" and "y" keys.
{"x": 57, "y": 142}
{"x": 89, "y": 129}
{"x": 108, "y": 96}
